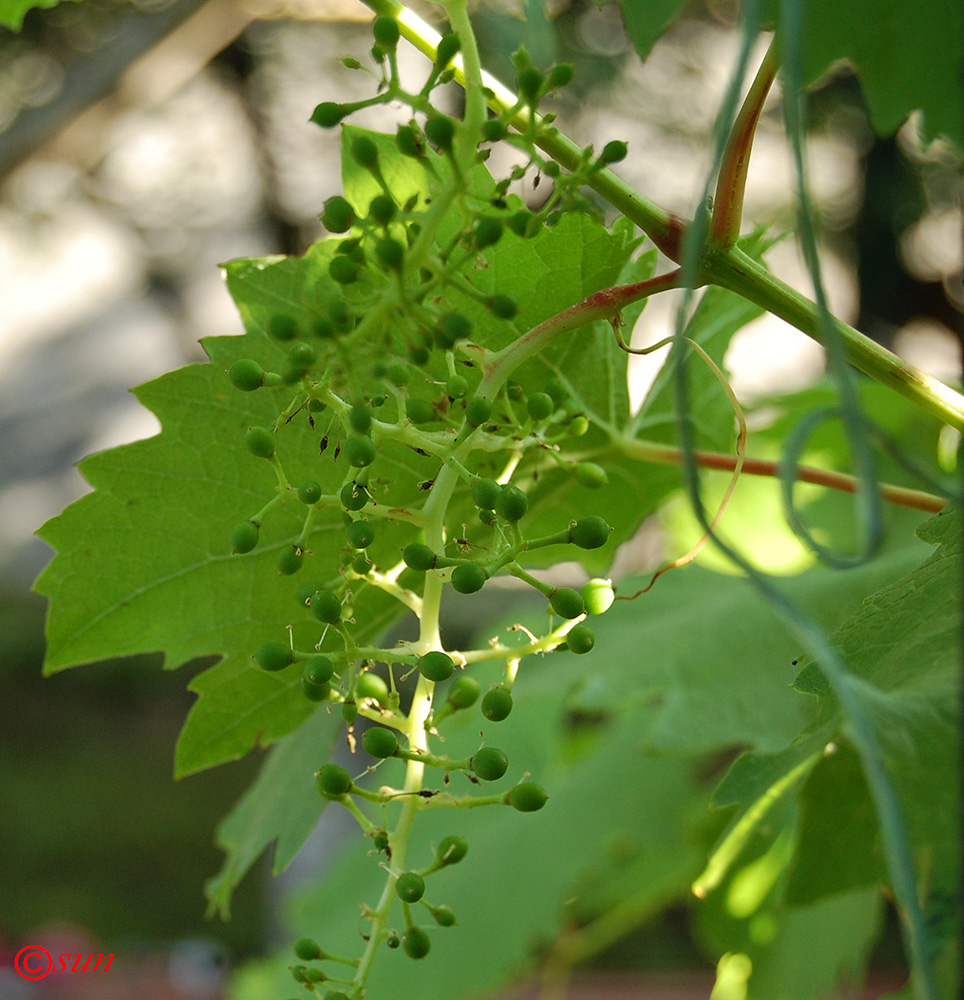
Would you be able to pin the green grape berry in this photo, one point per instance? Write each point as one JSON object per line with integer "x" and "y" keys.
{"x": 463, "y": 692}
{"x": 512, "y": 503}
{"x": 332, "y": 781}
{"x": 567, "y": 603}
{"x": 524, "y": 223}
{"x": 487, "y": 232}
{"x": 326, "y": 606}
{"x": 338, "y": 216}
{"x": 380, "y": 840}
{"x": 360, "y": 451}
{"x": 580, "y": 639}
{"x": 440, "y": 131}
{"x": 419, "y": 557}
{"x": 369, "y": 685}
{"x": 385, "y": 32}
{"x": 391, "y": 941}
{"x": 290, "y": 560}
{"x": 398, "y": 374}
{"x": 613, "y": 152}
{"x": 360, "y": 419}
{"x": 557, "y": 391}
{"x": 489, "y": 763}
{"x": 485, "y": 493}
{"x": 468, "y": 578}
{"x": 409, "y": 142}
{"x": 448, "y": 48}
{"x": 309, "y": 492}
{"x": 452, "y": 849}
{"x": 502, "y": 306}
{"x": 315, "y": 692}
{"x": 349, "y": 712}
{"x": 282, "y": 327}
{"x": 444, "y": 916}
{"x": 561, "y": 75}
{"x": 416, "y": 942}
{"x": 410, "y": 887}
{"x": 529, "y": 84}
{"x": 343, "y": 269}
{"x": 246, "y": 374}
{"x": 436, "y": 666}
{"x": 318, "y": 669}
{"x": 494, "y": 130}
{"x": 579, "y": 425}
{"x": 382, "y": 209}
{"x": 328, "y": 114}
{"x": 477, "y": 410}
{"x": 307, "y": 950}
{"x": 589, "y": 532}
{"x": 260, "y": 442}
{"x": 353, "y": 497}
{"x": 540, "y": 406}
{"x": 591, "y": 475}
{"x": 419, "y": 411}
{"x": 360, "y": 534}
{"x": 380, "y": 742}
{"x": 598, "y": 596}
{"x": 456, "y": 386}
{"x": 390, "y": 253}
{"x": 244, "y": 537}
{"x": 364, "y": 152}
{"x": 497, "y": 704}
{"x": 527, "y": 797}
{"x": 273, "y": 656}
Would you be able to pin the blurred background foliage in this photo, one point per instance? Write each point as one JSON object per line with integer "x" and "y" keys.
{"x": 143, "y": 143}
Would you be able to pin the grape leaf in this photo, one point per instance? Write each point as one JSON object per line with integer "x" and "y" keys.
{"x": 12, "y": 12}
{"x": 647, "y": 20}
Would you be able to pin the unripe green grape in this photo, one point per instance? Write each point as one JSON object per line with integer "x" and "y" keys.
{"x": 360, "y": 534}
{"x": 398, "y": 374}
{"x": 382, "y": 209}
{"x": 486, "y": 493}
{"x": 328, "y": 114}
{"x": 512, "y": 503}
{"x": 307, "y": 950}
{"x": 560, "y": 75}
{"x": 497, "y": 704}
{"x": 503, "y": 306}
{"x": 463, "y": 692}
{"x": 380, "y": 742}
{"x": 332, "y": 781}
{"x": 419, "y": 411}
{"x": 301, "y": 357}
{"x": 567, "y": 603}
{"x": 322, "y": 328}
{"x": 416, "y": 942}
{"x": 489, "y": 763}
{"x": 477, "y": 410}
{"x": 353, "y": 496}
{"x": 487, "y": 233}
{"x": 580, "y": 639}
{"x": 410, "y": 887}
{"x": 360, "y": 419}
{"x": 448, "y": 48}
{"x": 343, "y": 269}
{"x": 360, "y": 451}
{"x": 290, "y": 560}
{"x": 578, "y": 425}
{"x": 361, "y": 564}
{"x": 487, "y": 517}
{"x": 452, "y": 849}
{"x": 529, "y": 82}
{"x": 318, "y": 669}
{"x": 392, "y": 941}
{"x": 468, "y": 578}
{"x": 273, "y": 656}
{"x": 260, "y": 441}
{"x": 590, "y": 475}
{"x": 315, "y": 692}
{"x": 309, "y": 492}
{"x": 244, "y": 537}
{"x": 456, "y": 386}
{"x": 453, "y": 327}
{"x": 390, "y": 253}
{"x": 598, "y": 596}
{"x": 440, "y": 131}
{"x": 385, "y": 32}
{"x": 380, "y": 840}
{"x": 364, "y": 152}
{"x": 246, "y": 374}
{"x": 349, "y": 712}
{"x": 444, "y": 916}
{"x": 515, "y": 391}
{"x": 338, "y": 216}
{"x": 494, "y": 130}
{"x": 340, "y": 314}
{"x": 613, "y": 152}
{"x": 589, "y": 532}
{"x": 419, "y": 557}
{"x": 436, "y": 666}
{"x": 527, "y": 797}
{"x": 419, "y": 355}
{"x": 282, "y": 327}
{"x": 523, "y": 223}
{"x": 540, "y": 405}
{"x": 409, "y": 142}
{"x": 552, "y": 169}
{"x": 369, "y": 685}
{"x": 326, "y": 606}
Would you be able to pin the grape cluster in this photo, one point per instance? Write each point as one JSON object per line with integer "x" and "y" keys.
{"x": 387, "y": 362}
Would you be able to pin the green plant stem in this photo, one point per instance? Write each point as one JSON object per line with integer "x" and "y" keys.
{"x": 727, "y": 267}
